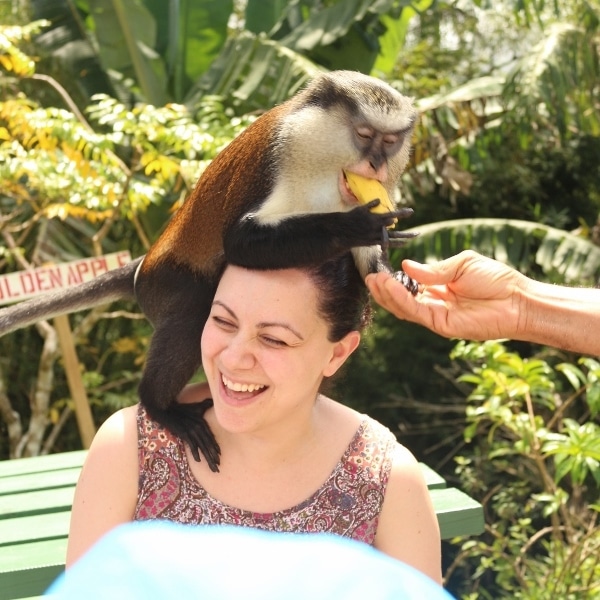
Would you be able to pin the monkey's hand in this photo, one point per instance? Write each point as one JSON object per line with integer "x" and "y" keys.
{"x": 375, "y": 227}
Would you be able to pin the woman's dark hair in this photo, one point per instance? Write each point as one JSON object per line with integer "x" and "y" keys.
{"x": 342, "y": 297}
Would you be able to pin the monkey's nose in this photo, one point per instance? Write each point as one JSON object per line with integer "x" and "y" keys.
{"x": 379, "y": 167}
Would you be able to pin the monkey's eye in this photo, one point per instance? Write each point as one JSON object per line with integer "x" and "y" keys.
{"x": 365, "y": 133}
{"x": 391, "y": 139}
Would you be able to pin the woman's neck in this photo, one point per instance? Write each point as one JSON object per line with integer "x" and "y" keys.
{"x": 276, "y": 445}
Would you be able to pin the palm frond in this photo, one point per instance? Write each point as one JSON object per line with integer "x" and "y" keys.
{"x": 532, "y": 248}
{"x": 256, "y": 72}
{"x": 557, "y": 81}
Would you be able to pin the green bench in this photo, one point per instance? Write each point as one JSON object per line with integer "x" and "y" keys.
{"x": 35, "y": 504}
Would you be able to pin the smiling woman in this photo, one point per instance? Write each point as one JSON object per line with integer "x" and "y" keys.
{"x": 267, "y": 339}
{"x": 292, "y": 459}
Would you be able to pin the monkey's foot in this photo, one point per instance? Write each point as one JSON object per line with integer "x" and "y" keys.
{"x": 395, "y": 239}
{"x": 187, "y": 422}
{"x": 408, "y": 282}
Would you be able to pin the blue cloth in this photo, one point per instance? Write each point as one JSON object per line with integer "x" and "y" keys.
{"x": 156, "y": 559}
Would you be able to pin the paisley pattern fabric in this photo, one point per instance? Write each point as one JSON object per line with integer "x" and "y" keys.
{"x": 347, "y": 504}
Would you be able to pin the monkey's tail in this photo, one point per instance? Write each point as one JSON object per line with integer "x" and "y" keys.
{"x": 113, "y": 285}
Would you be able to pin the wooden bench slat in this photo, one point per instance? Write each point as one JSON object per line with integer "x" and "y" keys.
{"x": 28, "y": 569}
{"x": 32, "y": 503}
{"x": 34, "y": 528}
{"x": 433, "y": 480}
{"x": 41, "y": 464}
{"x": 30, "y": 482}
{"x": 457, "y": 513}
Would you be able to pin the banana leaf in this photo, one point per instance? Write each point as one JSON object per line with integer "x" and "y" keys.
{"x": 535, "y": 249}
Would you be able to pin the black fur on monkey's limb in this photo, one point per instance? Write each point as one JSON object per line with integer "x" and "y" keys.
{"x": 306, "y": 239}
{"x": 388, "y": 241}
{"x": 177, "y": 302}
{"x": 187, "y": 422}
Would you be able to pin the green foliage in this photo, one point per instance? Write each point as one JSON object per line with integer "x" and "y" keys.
{"x": 522, "y": 147}
{"x": 130, "y": 45}
{"x": 253, "y": 73}
{"x": 533, "y": 248}
{"x": 536, "y": 468}
{"x": 67, "y": 168}
{"x": 73, "y": 187}
{"x": 348, "y": 34}
{"x": 12, "y": 58}
{"x": 561, "y": 72}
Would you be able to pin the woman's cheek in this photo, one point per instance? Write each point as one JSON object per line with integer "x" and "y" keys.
{"x": 208, "y": 343}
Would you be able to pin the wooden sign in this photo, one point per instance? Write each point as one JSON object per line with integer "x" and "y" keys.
{"x": 21, "y": 285}
{"x": 29, "y": 283}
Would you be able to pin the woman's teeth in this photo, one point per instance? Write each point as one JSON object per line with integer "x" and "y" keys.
{"x": 241, "y": 387}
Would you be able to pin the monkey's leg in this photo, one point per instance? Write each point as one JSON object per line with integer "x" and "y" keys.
{"x": 408, "y": 282}
{"x": 178, "y": 304}
{"x": 172, "y": 360}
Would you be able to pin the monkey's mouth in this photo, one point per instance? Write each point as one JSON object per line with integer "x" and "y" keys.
{"x": 346, "y": 193}
{"x": 363, "y": 190}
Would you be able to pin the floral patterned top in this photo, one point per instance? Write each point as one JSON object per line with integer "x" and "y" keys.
{"x": 347, "y": 504}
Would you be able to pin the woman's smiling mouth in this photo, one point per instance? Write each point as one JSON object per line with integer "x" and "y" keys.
{"x": 241, "y": 387}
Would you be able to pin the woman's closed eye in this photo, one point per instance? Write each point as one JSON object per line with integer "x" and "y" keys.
{"x": 271, "y": 341}
{"x": 228, "y": 325}
{"x": 224, "y": 323}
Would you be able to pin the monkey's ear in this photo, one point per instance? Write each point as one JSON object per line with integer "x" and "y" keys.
{"x": 341, "y": 351}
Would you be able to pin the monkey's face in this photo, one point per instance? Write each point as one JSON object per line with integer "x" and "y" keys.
{"x": 324, "y": 144}
{"x": 343, "y": 122}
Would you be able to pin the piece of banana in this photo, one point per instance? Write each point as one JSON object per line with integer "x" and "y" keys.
{"x": 366, "y": 190}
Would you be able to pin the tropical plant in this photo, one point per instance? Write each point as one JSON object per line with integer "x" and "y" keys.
{"x": 101, "y": 138}
{"x": 79, "y": 185}
{"x": 533, "y": 459}
{"x": 533, "y": 248}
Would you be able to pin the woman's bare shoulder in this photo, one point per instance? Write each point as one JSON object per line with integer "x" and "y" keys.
{"x": 118, "y": 432}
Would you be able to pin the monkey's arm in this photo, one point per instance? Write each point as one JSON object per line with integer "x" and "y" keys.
{"x": 113, "y": 285}
{"x": 305, "y": 239}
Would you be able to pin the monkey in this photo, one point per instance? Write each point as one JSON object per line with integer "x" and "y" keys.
{"x": 278, "y": 196}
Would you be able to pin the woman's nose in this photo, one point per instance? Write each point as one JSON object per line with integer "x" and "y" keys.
{"x": 238, "y": 353}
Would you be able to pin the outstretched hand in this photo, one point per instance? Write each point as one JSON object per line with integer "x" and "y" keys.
{"x": 466, "y": 296}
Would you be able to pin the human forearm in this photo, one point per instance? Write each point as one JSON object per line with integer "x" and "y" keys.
{"x": 559, "y": 316}
{"x": 473, "y": 297}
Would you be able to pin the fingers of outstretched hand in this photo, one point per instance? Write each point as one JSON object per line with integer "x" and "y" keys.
{"x": 394, "y": 297}
{"x": 391, "y": 294}
{"x": 434, "y": 274}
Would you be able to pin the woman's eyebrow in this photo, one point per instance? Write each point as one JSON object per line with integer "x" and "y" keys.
{"x": 265, "y": 324}
{"x": 222, "y": 305}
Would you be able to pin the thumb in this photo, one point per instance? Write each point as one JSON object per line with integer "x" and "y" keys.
{"x": 434, "y": 274}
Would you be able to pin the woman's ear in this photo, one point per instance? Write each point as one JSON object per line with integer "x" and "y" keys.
{"x": 341, "y": 351}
